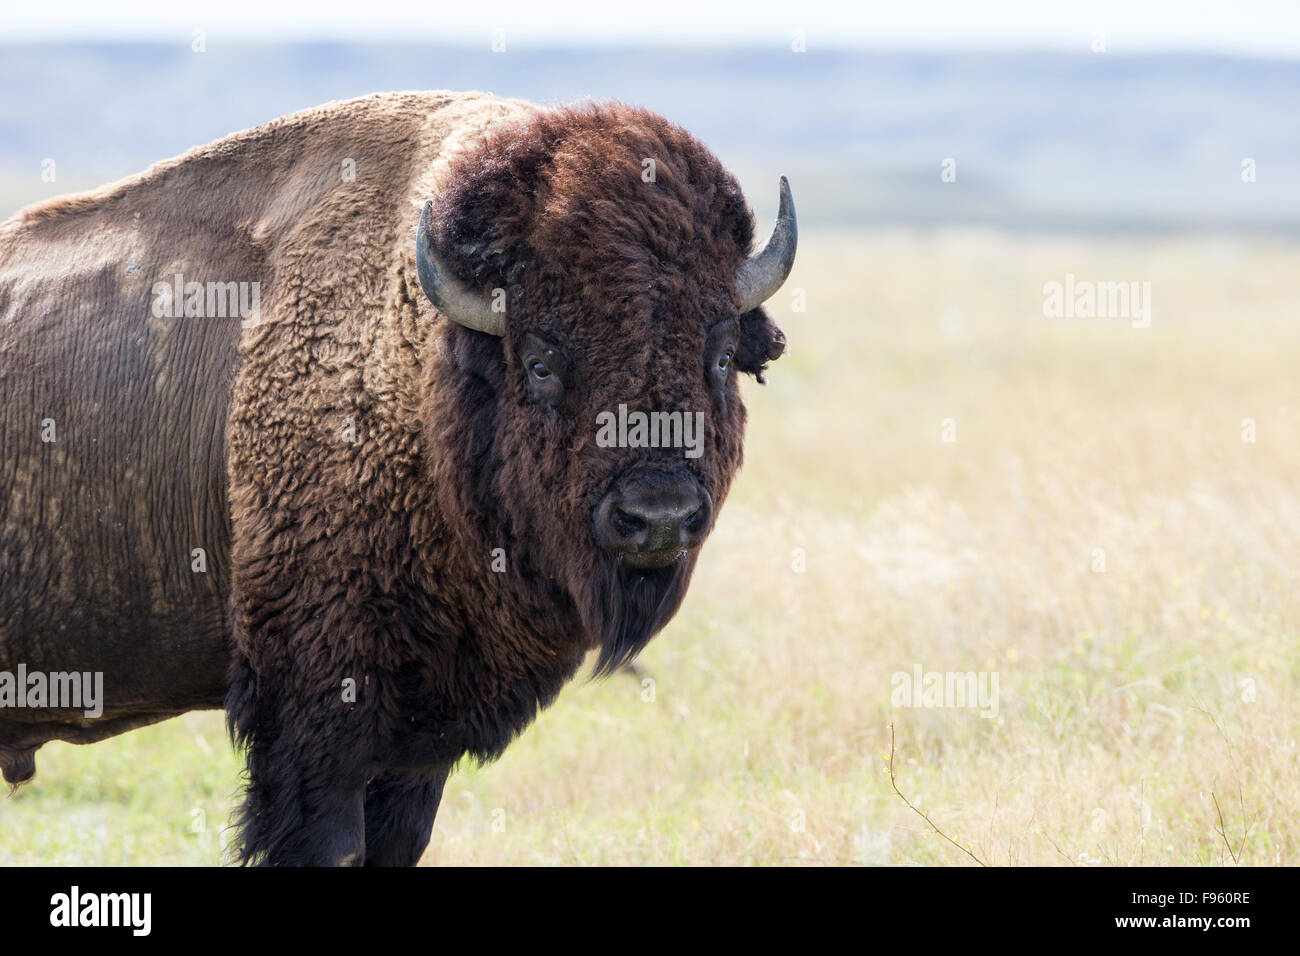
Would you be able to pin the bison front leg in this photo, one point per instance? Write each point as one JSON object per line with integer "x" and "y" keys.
{"x": 400, "y": 809}
{"x": 308, "y": 762}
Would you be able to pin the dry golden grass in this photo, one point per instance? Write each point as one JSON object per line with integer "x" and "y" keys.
{"x": 1127, "y": 697}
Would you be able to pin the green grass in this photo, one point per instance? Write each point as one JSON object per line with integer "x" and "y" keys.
{"x": 158, "y": 796}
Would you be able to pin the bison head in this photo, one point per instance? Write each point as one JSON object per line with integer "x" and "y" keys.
{"x": 598, "y": 264}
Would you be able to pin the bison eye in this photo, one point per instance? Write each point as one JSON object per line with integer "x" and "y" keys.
{"x": 722, "y": 364}
{"x": 720, "y": 352}
{"x": 546, "y": 369}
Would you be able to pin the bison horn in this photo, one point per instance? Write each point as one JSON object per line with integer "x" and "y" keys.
{"x": 452, "y": 298}
{"x": 762, "y": 274}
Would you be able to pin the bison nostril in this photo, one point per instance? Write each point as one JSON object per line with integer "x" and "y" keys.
{"x": 694, "y": 521}
{"x": 628, "y": 524}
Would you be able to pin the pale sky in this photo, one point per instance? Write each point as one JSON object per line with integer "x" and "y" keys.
{"x": 1258, "y": 27}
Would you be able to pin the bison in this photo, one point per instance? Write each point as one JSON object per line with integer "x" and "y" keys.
{"x": 304, "y": 424}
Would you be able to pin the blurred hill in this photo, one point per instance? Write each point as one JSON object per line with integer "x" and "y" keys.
{"x": 1041, "y": 141}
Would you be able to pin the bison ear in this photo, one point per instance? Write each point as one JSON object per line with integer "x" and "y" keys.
{"x": 760, "y": 342}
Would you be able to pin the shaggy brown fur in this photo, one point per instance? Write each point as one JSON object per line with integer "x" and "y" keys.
{"x": 353, "y": 461}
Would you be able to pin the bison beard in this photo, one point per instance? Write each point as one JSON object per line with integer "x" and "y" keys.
{"x": 627, "y": 608}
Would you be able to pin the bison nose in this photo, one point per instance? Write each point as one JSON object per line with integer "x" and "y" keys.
{"x": 652, "y": 523}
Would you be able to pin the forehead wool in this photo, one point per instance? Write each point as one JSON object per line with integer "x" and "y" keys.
{"x": 598, "y": 193}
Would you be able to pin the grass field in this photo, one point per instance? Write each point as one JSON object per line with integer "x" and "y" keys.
{"x": 1099, "y": 534}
